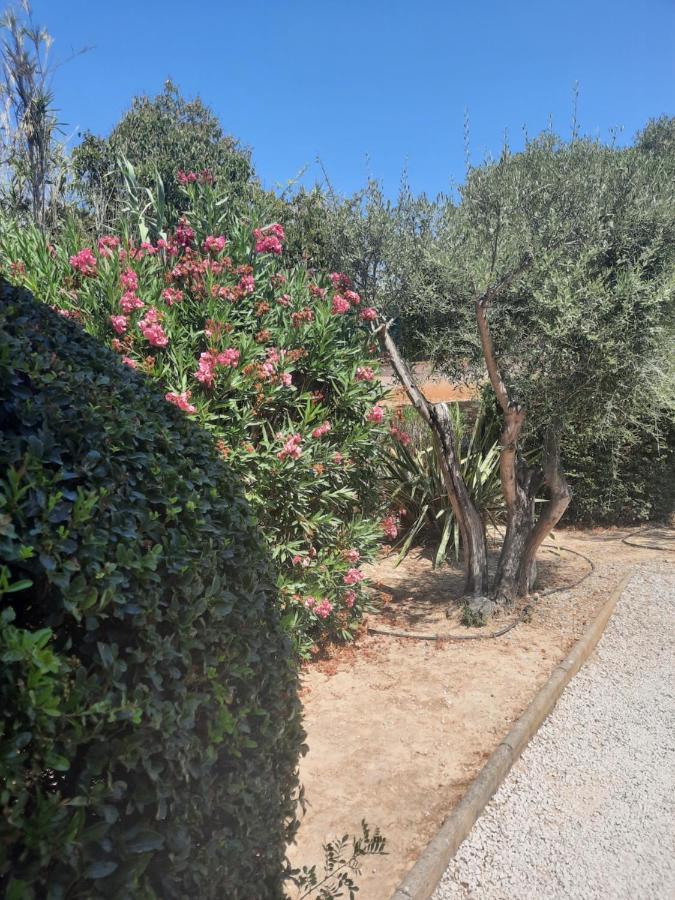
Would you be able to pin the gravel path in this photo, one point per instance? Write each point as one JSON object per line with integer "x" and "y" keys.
{"x": 588, "y": 810}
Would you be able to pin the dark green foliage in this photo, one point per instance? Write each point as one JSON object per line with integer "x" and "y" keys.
{"x": 151, "y": 729}
{"x": 161, "y": 134}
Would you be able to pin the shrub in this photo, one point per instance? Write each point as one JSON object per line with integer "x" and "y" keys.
{"x": 150, "y": 721}
{"x": 413, "y": 479}
{"x": 275, "y": 362}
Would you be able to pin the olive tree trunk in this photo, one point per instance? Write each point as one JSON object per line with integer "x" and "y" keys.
{"x": 516, "y": 570}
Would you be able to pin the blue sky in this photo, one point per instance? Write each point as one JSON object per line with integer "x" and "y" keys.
{"x": 372, "y": 86}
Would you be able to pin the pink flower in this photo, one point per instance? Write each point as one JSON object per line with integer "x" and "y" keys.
{"x": 353, "y": 297}
{"x": 364, "y": 373}
{"x": 297, "y": 560}
{"x": 229, "y": 357}
{"x": 171, "y": 296}
{"x": 247, "y": 284}
{"x": 369, "y": 314}
{"x": 119, "y": 323}
{"x": 399, "y": 435}
{"x": 147, "y": 247}
{"x": 324, "y": 609}
{"x": 214, "y": 244}
{"x": 340, "y": 281}
{"x": 269, "y": 239}
{"x": 350, "y": 598}
{"x": 129, "y": 362}
{"x": 268, "y": 244}
{"x": 291, "y": 449}
{"x": 107, "y": 244}
{"x": 84, "y": 262}
{"x": 181, "y": 401}
{"x": 353, "y": 576}
{"x": 185, "y": 177}
{"x": 376, "y": 415}
{"x": 129, "y": 280}
{"x": 339, "y": 305}
{"x": 130, "y": 302}
{"x": 389, "y": 527}
{"x": 322, "y": 429}
{"x": 184, "y": 234}
{"x": 151, "y": 330}
{"x": 286, "y": 379}
{"x": 352, "y": 556}
{"x": 284, "y": 300}
{"x": 309, "y": 602}
{"x": 207, "y": 368}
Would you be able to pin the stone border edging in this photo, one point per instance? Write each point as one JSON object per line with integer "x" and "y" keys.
{"x": 425, "y": 875}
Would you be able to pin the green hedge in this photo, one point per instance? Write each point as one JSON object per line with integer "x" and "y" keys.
{"x": 151, "y": 725}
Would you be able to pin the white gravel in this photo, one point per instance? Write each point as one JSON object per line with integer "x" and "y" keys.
{"x": 588, "y": 810}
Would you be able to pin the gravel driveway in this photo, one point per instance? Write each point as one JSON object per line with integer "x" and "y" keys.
{"x": 588, "y": 810}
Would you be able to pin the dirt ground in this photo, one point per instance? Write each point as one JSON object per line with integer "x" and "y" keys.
{"x": 434, "y": 387}
{"x": 397, "y": 728}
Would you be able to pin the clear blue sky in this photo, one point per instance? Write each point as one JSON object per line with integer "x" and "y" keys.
{"x": 374, "y": 85}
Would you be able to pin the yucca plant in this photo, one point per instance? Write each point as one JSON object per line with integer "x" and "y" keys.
{"x": 413, "y": 480}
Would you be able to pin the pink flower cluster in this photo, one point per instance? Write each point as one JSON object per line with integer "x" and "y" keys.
{"x": 269, "y": 239}
{"x": 108, "y": 244}
{"x": 389, "y": 527}
{"x": 322, "y": 429}
{"x": 129, "y": 280}
{"x": 340, "y": 305}
{"x": 322, "y": 610}
{"x": 247, "y": 284}
{"x": 353, "y": 576}
{"x": 208, "y": 362}
{"x": 84, "y": 262}
{"x": 376, "y": 415}
{"x": 119, "y": 324}
{"x": 303, "y": 561}
{"x": 213, "y": 244}
{"x": 352, "y": 555}
{"x": 130, "y": 302}
{"x": 364, "y": 373}
{"x": 350, "y": 598}
{"x": 399, "y": 435}
{"x": 203, "y": 177}
{"x": 368, "y": 314}
{"x": 182, "y": 401}
{"x": 171, "y": 296}
{"x": 340, "y": 281}
{"x": 185, "y": 235}
{"x": 152, "y": 330}
{"x": 291, "y": 448}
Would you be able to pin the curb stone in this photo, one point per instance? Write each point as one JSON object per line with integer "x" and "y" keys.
{"x": 426, "y": 873}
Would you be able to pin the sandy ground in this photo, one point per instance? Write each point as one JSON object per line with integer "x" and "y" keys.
{"x": 398, "y": 728}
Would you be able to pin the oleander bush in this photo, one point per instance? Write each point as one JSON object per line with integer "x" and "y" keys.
{"x": 276, "y": 363}
{"x": 150, "y": 729}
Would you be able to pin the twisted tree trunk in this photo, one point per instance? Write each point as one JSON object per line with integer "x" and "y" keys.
{"x": 516, "y": 570}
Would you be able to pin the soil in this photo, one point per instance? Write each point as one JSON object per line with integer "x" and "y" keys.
{"x": 398, "y": 728}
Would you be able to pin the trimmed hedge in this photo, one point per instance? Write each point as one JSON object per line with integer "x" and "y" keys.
{"x": 151, "y": 727}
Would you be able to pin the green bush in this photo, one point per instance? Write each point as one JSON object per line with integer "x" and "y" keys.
{"x": 151, "y": 729}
